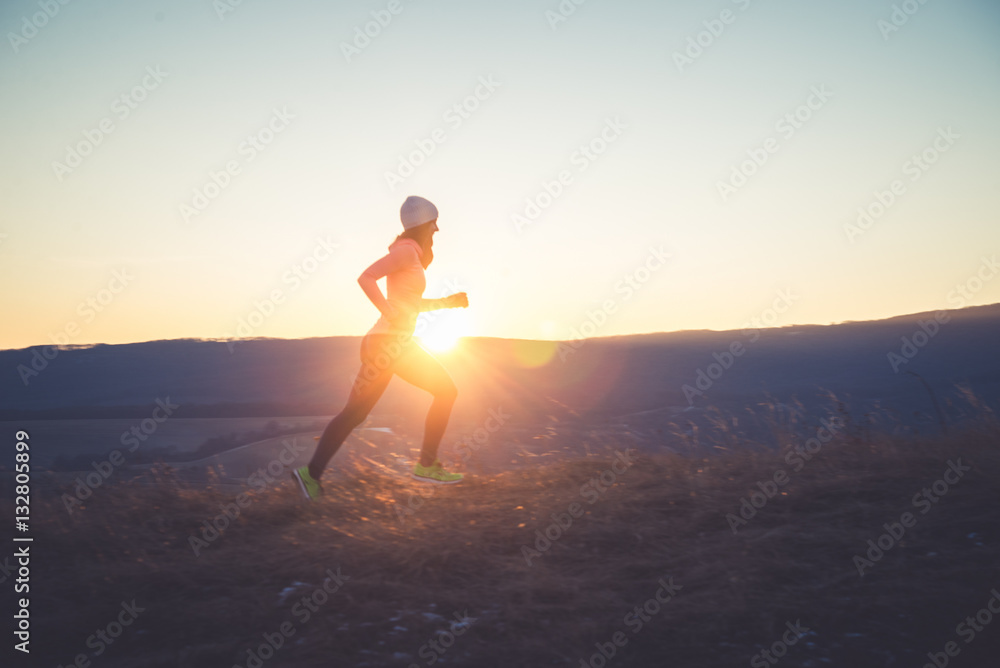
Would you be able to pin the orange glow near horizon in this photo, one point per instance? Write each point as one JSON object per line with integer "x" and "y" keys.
{"x": 166, "y": 178}
{"x": 440, "y": 341}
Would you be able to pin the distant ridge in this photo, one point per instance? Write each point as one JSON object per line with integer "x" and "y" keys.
{"x": 599, "y": 378}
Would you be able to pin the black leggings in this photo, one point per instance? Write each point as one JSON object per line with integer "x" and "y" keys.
{"x": 383, "y": 355}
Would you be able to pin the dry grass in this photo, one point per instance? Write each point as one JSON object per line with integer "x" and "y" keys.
{"x": 462, "y": 550}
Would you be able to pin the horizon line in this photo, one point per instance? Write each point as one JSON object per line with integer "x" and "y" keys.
{"x": 83, "y": 346}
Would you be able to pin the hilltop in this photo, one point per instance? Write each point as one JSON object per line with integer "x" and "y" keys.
{"x": 544, "y": 565}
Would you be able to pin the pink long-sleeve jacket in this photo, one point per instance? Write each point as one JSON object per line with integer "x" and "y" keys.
{"x": 405, "y": 284}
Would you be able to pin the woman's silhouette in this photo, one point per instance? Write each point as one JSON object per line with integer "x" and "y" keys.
{"x": 389, "y": 349}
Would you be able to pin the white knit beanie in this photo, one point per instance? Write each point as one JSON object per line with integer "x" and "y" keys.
{"x": 417, "y": 211}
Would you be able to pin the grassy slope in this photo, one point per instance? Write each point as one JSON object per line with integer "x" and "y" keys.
{"x": 462, "y": 550}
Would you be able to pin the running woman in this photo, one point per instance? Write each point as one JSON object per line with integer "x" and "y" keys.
{"x": 389, "y": 349}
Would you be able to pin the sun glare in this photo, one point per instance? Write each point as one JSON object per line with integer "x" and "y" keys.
{"x": 445, "y": 329}
{"x": 440, "y": 340}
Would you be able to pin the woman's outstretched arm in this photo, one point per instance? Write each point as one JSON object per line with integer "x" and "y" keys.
{"x": 431, "y": 304}
{"x": 457, "y": 300}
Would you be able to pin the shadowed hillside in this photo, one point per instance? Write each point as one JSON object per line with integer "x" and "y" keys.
{"x": 602, "y": 378}
{"x": 542, "y": 566}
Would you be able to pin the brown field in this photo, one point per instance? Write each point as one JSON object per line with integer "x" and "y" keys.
{"x": 411, "y": 557}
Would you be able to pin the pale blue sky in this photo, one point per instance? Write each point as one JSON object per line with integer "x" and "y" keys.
{"x": 324, "y": 174}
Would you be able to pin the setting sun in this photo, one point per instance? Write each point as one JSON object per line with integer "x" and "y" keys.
{"x": 443, "y": 329}
{"x": 440, "y": 340}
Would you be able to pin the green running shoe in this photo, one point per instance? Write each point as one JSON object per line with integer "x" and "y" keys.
{"x": 309, "y": 486}
{"x": 435, "y": 473}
